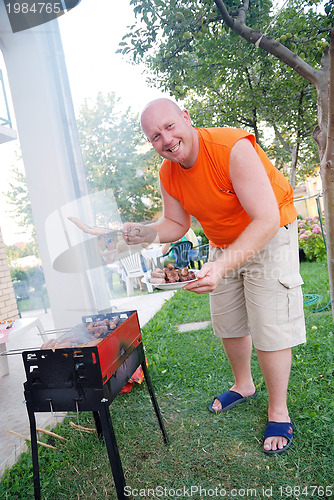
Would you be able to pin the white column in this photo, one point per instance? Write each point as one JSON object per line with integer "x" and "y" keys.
{"x": 47, "y": 132}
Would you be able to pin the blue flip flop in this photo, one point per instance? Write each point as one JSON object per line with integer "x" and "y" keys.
{"x": 229, "y": 399}
{"x": 284, "y": 429}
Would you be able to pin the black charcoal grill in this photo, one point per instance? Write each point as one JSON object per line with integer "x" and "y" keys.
{"x": 87, "y": 379}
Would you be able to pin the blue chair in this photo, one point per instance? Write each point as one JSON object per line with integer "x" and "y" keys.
{"x": 180, "y": 251}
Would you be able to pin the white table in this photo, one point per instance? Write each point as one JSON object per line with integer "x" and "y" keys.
{"x": 20, "y": 326}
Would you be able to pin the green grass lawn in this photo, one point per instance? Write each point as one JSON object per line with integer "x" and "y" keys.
{"x": 206, "y": 451}
{"x": 35, "y": 301}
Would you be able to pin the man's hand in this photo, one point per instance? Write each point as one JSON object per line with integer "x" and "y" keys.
{"x": 207, "y": 279}
{"x": 136, "y": 233}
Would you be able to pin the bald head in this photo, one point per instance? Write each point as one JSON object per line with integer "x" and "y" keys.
{"x": 161, "y": 102}
{"x": 170, "y": 131}
{"x": 158, "y": 107}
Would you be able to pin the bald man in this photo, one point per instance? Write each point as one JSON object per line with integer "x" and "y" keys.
{"x": 245, "y": 206}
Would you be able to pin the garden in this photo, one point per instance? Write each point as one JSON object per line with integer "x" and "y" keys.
{"x": 312, "y": 238}
{"x": 206, "y": 451}
{"x": 29, "y": 288}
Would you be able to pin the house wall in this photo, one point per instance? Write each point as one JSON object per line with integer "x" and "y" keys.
{"x": 305, "y": 196}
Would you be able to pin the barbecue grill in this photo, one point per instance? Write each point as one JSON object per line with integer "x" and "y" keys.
{"x": 87, "y": 379}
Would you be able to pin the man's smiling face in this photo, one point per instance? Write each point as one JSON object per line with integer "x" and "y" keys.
{"x": 170, "y": 132}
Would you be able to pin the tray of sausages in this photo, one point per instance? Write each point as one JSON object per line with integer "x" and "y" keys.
{"x": 170, "y": 278}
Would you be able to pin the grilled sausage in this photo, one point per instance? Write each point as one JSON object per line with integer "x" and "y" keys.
{"x": 158, "y": 273}
{"x": 87, "y": 229}
{"x": 157, "y": 281}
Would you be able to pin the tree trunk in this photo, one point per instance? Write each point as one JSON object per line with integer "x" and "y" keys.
{"x": 293, "y": 150}
{"x": 327, "y": 177}
{"x": 294, "y": 161}
{"x": 324, "y": 137}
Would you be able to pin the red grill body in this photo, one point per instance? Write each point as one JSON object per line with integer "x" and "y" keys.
{"x": 73, "y": 379}
{"x": 118, "y": 344}
{"x": 87, "y": 379}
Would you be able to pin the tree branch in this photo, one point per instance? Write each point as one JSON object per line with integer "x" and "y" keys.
{"x": 279, "y": 136}
{"x": 266, "y": 43}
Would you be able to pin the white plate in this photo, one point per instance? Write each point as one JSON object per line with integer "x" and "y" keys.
{"x": 170, "y": 286}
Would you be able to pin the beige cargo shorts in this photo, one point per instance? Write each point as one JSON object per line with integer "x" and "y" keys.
{"x": 263, "y": 297}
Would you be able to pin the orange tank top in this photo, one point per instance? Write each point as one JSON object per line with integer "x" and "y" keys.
{"x": 206, "y": 191}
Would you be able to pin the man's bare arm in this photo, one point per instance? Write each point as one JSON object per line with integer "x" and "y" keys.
{"x": 174, "y": 223}
{"x": 254, "y": 191}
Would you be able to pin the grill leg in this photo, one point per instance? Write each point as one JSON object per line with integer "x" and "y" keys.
{"x": 98, "y": 425}
{"x": 154, "y": 401}
{"x": 112, "y": 449}
{"x": 34, "y": 452}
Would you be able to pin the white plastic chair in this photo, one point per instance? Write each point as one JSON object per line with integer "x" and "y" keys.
{"x": 133, "y": 268}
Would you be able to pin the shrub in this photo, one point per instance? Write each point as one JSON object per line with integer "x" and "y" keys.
{"x": 311, "y": 239}
{"x": 18, "y": 274}
{"x": 199, "y": 232}
{"x": 35, "y": 277}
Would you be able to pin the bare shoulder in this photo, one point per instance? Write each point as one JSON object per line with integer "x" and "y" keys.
{"x": 241, "y": 147}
